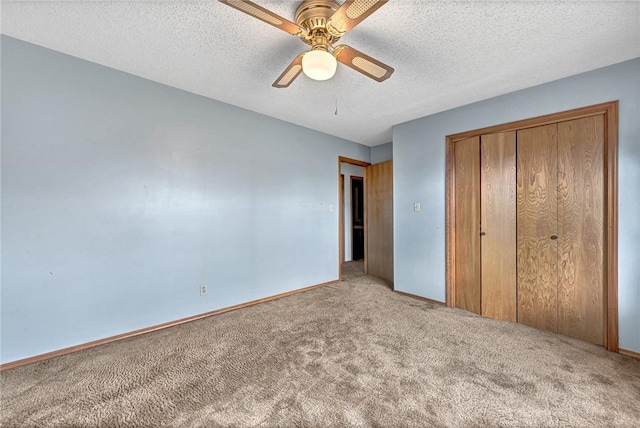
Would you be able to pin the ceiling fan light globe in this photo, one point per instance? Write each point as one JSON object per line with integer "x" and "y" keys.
{"x": 319, "y": 65}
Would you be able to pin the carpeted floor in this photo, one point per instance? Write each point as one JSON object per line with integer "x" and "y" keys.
{"x": 350, "y": 354}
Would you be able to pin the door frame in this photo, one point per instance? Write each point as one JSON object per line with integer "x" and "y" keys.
{"x": 610, "y": 112}
{"x": 342, "y": 159}
{"x": 341, "y": 215}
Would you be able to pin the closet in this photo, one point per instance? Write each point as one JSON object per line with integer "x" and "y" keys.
{"x": 531, "y": 223}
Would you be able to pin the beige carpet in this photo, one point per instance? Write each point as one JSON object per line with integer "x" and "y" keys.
{"x": 351, "y": 354}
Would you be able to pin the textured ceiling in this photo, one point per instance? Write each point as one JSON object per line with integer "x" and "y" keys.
{"x": 446, "y": 53}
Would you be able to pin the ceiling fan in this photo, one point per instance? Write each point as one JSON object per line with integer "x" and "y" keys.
{"x": 321, "y": 23}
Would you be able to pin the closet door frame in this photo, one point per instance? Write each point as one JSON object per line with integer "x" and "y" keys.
{"x": 610, "y": 112}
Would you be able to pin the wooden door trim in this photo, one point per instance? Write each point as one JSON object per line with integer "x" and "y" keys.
{"x": 450, "y": 221}
{"x": 356, "y": 162}
{"x": 611, "y": 225}
{"x": 341, "y": 217}
{"x": 578, "y": 113}
{"x": 610, "y": 112}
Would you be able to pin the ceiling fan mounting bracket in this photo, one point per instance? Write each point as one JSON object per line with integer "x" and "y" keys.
{"x": 319, "y": 39}
{"x": 313, "y": 16}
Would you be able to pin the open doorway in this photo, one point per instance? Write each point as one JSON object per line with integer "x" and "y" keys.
{"x": 352, "y": 201}
{"x": 357, "y": 218}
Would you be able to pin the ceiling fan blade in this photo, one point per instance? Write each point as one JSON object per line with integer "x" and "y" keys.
{"x": 265, "y": 15}
{"x": 363, "y": 63}
{"x": 351, "y": 13}
{"x": 290, "y": 74}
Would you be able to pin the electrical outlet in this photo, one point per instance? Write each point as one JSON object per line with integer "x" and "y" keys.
{"x": 203, "y": 289}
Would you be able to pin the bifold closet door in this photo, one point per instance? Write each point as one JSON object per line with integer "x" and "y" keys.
{"x": 467, "y": 224}
{"x": 537, "y": 226}
{"x": 498, "y": 224}
{"x": 581, "y": 301}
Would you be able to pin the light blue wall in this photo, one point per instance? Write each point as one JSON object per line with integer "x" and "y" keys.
{"x": 381, "y": 153}
{"x": 120, "y": 196}
{"x": 419, "y": 176}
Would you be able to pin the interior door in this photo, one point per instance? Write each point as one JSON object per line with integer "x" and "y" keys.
{"x": 581, "y": 301}
{"x": 498, "y": 224}
{"x": 537, "y": 228}
{"x": 565, "y": 222}
{"x": 467, "y": 225}
{"x": 379, "y": 220}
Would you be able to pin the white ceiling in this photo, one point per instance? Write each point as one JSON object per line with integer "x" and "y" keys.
{"x": 445, "y": 53}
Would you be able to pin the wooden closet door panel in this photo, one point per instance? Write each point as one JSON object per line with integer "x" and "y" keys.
{"x": 581, "y": 229}
{"x": 498, "y": 223}
{"x": 537, "y": 222}
{"x": 379, "y": 220}
{"x": 467, "y": 224}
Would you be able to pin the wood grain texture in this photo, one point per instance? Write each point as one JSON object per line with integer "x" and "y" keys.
{"x": 379, "y": 219}
{"x": 498, "y": 222}
{"x": 450, "y": 218}
{"x": 610, "y": 112}
{"x": 537, "y": 222}
{"x": 581, "y": 308}
{"x": 608, "y": 108}
{"x": 611, "y": 225}
{"x": 467, "y": 225}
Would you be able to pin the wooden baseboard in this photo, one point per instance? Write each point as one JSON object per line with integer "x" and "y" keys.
{"x": 628, "y": 353}
{"x": 83, "y": 346}
{"x": 420, "y": 298}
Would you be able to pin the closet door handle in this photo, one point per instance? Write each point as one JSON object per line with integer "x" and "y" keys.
{"x": 483, "y": 233}
{"x": 554, "y": 237}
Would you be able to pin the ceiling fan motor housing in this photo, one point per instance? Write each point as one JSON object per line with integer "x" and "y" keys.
{"x": 314, "y": 16}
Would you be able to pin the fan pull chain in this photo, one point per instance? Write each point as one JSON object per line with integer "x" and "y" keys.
{"x": 335, "y": 111}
